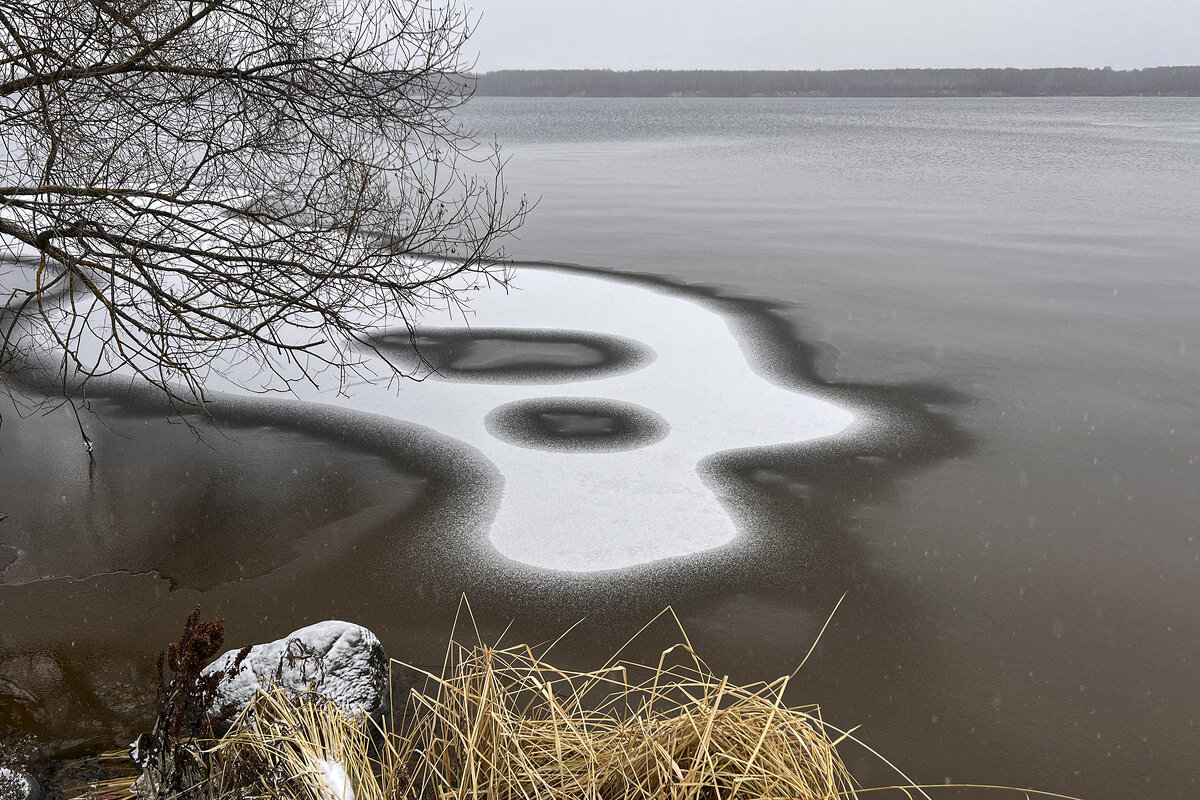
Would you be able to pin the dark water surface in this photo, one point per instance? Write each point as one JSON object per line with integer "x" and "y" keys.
{"x": 1028, "y": 612}
{"x": 1015, "y": 282}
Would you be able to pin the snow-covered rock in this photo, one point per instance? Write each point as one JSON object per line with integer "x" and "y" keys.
{"x": 341, "y": 660}
{"x": 25, "y": 786}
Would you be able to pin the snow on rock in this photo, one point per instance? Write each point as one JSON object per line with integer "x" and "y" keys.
{"x": 341, "y": 660}
{"x": 25, "y": 786}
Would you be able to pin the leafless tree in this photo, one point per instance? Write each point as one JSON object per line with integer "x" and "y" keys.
{"x": 185, "y": 182}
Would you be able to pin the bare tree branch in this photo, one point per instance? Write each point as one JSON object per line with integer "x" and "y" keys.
{"x": 186, "y": 183}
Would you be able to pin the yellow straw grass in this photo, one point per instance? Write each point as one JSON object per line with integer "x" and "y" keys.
{"x": 505, "y": 724}
{"x": 299, "y": 747}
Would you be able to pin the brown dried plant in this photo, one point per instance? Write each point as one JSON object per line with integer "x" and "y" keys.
{"x": 170, "y": 754}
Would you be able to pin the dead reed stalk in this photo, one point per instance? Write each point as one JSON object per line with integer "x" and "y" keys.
{"x": 505, "y": 724}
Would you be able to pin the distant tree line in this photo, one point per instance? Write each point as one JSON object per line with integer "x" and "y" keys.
{"x": 1063, "y": 81}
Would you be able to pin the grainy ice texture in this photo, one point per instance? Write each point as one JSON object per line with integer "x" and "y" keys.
{"x": 649, "y": 348}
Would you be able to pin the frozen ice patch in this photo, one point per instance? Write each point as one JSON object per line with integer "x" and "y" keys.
{"x": 588, "y": 485}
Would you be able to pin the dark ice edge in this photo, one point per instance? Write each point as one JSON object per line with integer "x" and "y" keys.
{"x": 621, "y": 355}
{"x": 898, "y": 429}
{"x": 515, "y": 424}
{"x": 464, "y": 487}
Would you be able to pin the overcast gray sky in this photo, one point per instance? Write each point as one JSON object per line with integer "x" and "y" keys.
{"x": 833, "y": 34}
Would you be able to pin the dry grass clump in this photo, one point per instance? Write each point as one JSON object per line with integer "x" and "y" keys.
{"x": 282, "y": 746}
{"x": 299, "y": 747}
{"x": 505, "y": 724}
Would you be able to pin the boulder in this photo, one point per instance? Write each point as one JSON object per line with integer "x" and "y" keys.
{"x": 341, "y": 660}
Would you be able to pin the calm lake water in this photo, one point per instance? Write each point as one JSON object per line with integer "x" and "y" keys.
{"x": 1018, "y": 279}
{"x": 1026, "y": 612}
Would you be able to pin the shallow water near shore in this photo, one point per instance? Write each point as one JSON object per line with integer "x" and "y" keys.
{"x": 1010, "y": 285}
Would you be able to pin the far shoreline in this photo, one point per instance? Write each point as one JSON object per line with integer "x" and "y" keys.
{"x": 1165, "y": 81}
